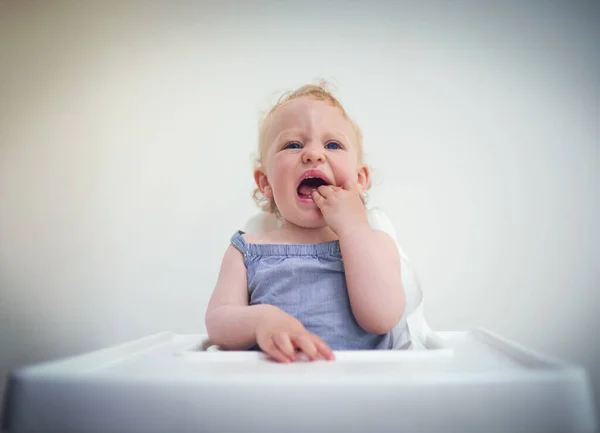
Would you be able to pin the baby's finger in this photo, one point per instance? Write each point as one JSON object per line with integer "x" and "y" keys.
{"x": 270, "y": 349}
{"x": 323, "y": 349}
{"x": 306, "y": 345}
{"x": 284, "y": 344}
{"x": 318, "y": 198}
{"x": 326, "y": 190}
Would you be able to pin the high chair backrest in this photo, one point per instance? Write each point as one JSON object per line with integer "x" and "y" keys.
{"x": 418, "y": 328}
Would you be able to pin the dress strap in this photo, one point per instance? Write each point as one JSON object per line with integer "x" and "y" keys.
{"x": 239, "y": 242}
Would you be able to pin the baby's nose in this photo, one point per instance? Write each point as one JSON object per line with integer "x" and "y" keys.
{"x": 312, "y": 155}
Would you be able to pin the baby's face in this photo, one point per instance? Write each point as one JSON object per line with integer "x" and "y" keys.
{"x": 307, "y": 137}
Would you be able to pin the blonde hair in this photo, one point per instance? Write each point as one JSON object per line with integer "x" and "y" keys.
{"x": 318, "y": 92}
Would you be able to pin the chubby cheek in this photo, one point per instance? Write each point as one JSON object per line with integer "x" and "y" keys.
{"x": 344, "y": 171}
{"x": 281, "y": 177}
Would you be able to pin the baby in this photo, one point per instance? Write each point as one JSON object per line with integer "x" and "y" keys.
{"x": 324, "y": 280}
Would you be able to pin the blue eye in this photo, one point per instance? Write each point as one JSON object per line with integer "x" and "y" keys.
{"x": 333, "y": 145}
{"x": 292, "y": 145}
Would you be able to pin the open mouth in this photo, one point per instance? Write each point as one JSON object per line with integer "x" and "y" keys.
{"x": 308, "y": 185}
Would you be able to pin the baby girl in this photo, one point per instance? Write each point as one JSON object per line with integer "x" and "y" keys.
{"x": 323, "y": 280}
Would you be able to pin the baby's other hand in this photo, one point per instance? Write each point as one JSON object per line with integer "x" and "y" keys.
{"x": 280, "y": 336}
{"x": 341, "y": 207}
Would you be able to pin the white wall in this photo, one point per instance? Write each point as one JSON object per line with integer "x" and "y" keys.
{"x": 126, "y": 131}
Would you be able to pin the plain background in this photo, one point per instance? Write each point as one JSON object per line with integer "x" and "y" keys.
{"x": 127, "y": 131}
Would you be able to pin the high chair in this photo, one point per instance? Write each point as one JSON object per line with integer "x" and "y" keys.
{"x": 471, "y": 381}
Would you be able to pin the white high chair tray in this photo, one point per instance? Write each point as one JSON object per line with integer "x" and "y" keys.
{"x": 467, "y": 381}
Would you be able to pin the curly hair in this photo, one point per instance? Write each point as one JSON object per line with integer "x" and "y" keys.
{"x": 319, "y": 92}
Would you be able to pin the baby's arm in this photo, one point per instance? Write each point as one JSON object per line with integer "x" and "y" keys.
{"x": 371, "y": 259}
{"x": 234, "y": 325}
{"x": 230, "y": 322}
{"x": 372, "y": 266}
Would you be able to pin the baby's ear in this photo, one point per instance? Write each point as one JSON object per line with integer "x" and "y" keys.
{"x": 263, "y": 183}
{"x": 363, "y": 179}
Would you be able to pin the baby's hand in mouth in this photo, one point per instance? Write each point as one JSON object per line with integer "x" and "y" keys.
{"x": 341, "y": 207}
